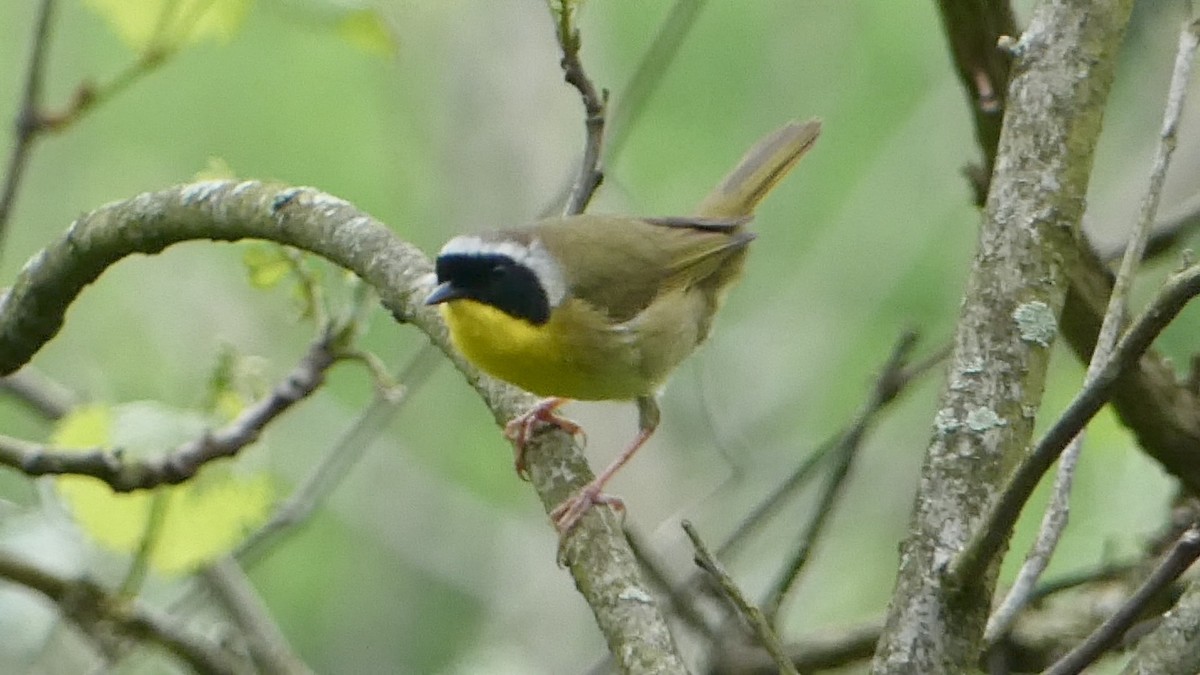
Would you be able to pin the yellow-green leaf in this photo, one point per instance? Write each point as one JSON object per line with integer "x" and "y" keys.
{"x": 168, "y": 24}
{"x": 203, "y": 518}
{"x": 215, "y": 169}
{"x": 267, "y": 264}
{"x": 366, "y": 30}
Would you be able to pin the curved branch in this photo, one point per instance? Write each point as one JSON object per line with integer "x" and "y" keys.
{"x": 33, "y": 310}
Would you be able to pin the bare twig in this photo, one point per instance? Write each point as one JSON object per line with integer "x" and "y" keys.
{"x": 594, "y": 102}
{"x": 28, "y": 115}
{"x": 829, "y": 649}
{"x": 48, "y": 398}
{"x": 682, "y": 601}
{"x": 994, "y": 528}
{"x": 341, "y": 457}
{"x": 268, "y": 648}
{"x": 890, "y": 382}
{"x": 888, "y": 385}
{"x": 139, "y": 565}
{"x": 125, "y": 474}
{"x": 753, "y": 615}
{"x": 1179, "y": 222}
{"x": 89, "y": 607}
{"x": 972, "y": 29}
{"x": 1054, "y": 521}
{"x": 1181, "y": 556}
{"x": 1173, "y": 647}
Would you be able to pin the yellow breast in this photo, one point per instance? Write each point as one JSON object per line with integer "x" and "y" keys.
{"x": 576, "y": 354}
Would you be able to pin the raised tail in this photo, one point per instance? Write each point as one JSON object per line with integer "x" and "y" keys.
{"x": 759, "y": 170}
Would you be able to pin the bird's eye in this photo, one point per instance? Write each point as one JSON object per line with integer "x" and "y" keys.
{"x": 499, "y": 271}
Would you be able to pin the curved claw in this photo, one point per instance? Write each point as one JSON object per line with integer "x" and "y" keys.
{"x": 567, "y": 514}
{"x": 521, "y": 429}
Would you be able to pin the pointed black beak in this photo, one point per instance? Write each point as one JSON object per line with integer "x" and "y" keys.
{"x": 444, "y": 292}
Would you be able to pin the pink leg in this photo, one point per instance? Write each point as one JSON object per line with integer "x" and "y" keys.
{"x": 520, "y": 429}
{"x": 567, "y": 514}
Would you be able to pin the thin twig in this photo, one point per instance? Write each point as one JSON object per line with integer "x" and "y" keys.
{"x": 827, "y": 650}
{"x": 46, "y": 397}
{"x": 594, "y": 102}
{"x": 268, "y": 648}
{"x": 139, "y": 565}
{"x": 90, "y": 607}
{"x": 1181, "y": 556}
{"x": 681, "y": 601}
{"x": 993, "y": 530}
{"x": 890, "y": 381}
{"x": 1172, "y": 647}
{"x": 753, "y": 615}
{"x": 28, "y": 115}
{"x": 342, "y": 456}
{"x": 1054, "y": 521}
{"x": 125, "y": 474}
{"x": 972, "y": 30}
{"x": 886, "y": 388}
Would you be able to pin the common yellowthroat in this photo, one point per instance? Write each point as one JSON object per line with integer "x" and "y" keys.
{"x": 600, "y": 307}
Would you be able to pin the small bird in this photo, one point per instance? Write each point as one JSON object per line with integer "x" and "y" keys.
{"x": 603, "y": 307}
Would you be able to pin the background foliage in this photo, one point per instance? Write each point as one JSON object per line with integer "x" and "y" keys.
{"x": 432, "y": 556}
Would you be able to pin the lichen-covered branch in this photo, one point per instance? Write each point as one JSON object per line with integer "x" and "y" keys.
{"x": 1061, "y": 74}
{"x": 33, "y": 311}
{"x": 1157, "y": 409}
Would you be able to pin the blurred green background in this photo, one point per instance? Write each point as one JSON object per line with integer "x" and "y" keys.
{"x": 432, "y": 556}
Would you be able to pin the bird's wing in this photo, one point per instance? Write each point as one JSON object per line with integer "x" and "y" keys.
{"x": 620, "y": 265}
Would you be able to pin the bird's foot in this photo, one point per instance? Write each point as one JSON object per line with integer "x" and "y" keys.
{"x": 522, "y": 428}
{"x": 567, "y": 514}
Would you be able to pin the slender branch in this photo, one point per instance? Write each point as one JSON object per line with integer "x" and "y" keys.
{"x": 1181, "y": 556}
{"x": 753, "y": 615}
{"x": 682, "y": 601}
{"x": 1168, "y": 230}
{"x": 268, "y": 648}
{"x": 594, "y": 102}
{"x": 1054, "y": 521}
{"x": 337, "y": 462}
{"x": 995, "y": 527}
{"x": 887, "y": 385}
{"x": 125, "y": 474}
{"x": 32, "y": 311}
{"x": 46, "y": 397}
{"x": 1173, "y": 648}
{"x": 832, "y": 649}
{"x": 972, "y": 29}
{"x": 28, "y": 115}
{"x": 87, "y": 605}
{"x": 1062, "y": 72}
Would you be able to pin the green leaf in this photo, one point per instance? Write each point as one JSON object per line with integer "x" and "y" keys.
{"x": 146, "y": 25}
{"x": 268, "y": 264}
{"x": 204, "y": 518}
{"x": 366, "y": 30}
